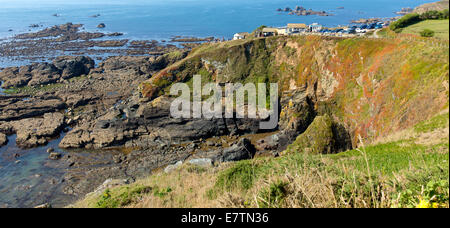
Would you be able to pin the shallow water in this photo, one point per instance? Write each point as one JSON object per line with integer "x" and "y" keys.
{"x": 1, "y": 89}
{"x": 25, "y": 180}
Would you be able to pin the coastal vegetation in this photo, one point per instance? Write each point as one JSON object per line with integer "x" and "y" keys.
{"x": 426, "y": 19}
{"x": 440, "y": 28}
{"x": 386, "y": 92}
{"x": 400, "y": 170}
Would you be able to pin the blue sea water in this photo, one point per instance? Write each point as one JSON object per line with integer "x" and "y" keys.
{"x": 162, "y": 19}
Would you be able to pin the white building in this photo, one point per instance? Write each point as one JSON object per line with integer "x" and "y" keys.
{"x": 315, "y": 27}
{"x": 240, "y": 36}
{"x": 296, "y": 28}
{"x": 282, "y": 31}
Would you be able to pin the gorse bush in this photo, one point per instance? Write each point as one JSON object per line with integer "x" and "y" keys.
{"x": 427, "y": 33}
{"x": 434, "y": 15}
{"x": 405, "y": 21}
{"x": 414, "y": 18}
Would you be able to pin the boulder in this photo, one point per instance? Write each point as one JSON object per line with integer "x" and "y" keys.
{"x": 101, "y": 25}
{"x": 173, "y": 167}
{"x": 3, "y": 139}
{"x": 54, "y": 156}
{"x": 73, "y": 66}
{"x": 20, "y": 107}
{"x": 34, "y": 132}
{"x": 36, "y": 74}
{"x": 203, "y": 162}
{"x": 321, "y": 137}
{"x": 42, "y": 206}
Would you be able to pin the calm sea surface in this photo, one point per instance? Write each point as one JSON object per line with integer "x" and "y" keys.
{"x": 162, "y": 19}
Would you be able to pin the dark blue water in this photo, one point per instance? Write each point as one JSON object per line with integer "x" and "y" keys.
{"x": 162, "y": 19}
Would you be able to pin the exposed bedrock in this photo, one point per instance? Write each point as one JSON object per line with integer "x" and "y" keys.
{"x": 37, "y": 74}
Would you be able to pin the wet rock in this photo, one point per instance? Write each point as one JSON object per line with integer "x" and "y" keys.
{"x": 54, "y": 31}
{"x": 101, "y": 25}
{"x": 3, "y": 139}
{"x": 34, "y": 132}
{"x": 114, "y": 34}
{"x": 46, "y": 205}
{"x": 20, "y": 107}
{"x": 54, "y": 156}
{"x": 71, "y": 66}
{"x": 50, "y": 150}
{"x": 37, "y": 74}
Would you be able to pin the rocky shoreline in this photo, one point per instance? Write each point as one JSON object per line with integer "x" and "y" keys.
{"x": 301, "y": 11}
{"x": 87, "y": 105}
{"x": 71, "y": 39}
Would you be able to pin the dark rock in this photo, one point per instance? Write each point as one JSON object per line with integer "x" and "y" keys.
{"x": 46, "y": 205}
{"x": 70, "y": 66}
{"x": 101, "y": 25}
{"x": 321, "y": 137}
{"x": 54, "y": 156}
{"x": 3, "y": 139}
{"x": 20, "y": 107}
{"x": 297, "y": 113}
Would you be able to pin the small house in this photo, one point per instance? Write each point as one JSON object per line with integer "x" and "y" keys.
{"x": 297, "y": 28}
{"x": 240, "y": 36}
{"x": 282, "y": 31}
{"x": 269, "y": 32}
{"x": 315, "y": 27}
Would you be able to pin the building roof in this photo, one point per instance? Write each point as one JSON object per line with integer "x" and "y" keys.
{"x": 296, "y": 25}
{"x": 315, "y": 25}
{"x": 270, "y": 30}
{"x": 242, "y": 34}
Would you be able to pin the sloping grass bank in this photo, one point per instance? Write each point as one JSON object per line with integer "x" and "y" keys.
{"x": 440, "y": 28}
{"x": 406, "y": 171}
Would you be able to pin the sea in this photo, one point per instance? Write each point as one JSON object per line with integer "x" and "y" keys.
{"x": 163, "y": 19}
{"x": 24, "y": 180}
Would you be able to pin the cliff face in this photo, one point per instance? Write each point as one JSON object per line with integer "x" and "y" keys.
{"x": 371, "y": 86}
{"x": 438, "y": 6}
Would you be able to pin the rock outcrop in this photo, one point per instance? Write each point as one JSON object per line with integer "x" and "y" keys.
{"x": 352, "y": 80}
{"x": 321, "y": 137}
{"x": 38, "y": 74}
{"x": 3, "y": 139}
{"x": 438, "y": 6}
{"x": 34, "y": 132}
{"x": 20, "y": 107}
{"x": 146, "y": 124}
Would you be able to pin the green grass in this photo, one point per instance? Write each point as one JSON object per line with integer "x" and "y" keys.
{"x": 439, "y": 121}
{"x": 440, "y": 27}
{"x": 361, "y": 174}
{"x": 122, "y": 196}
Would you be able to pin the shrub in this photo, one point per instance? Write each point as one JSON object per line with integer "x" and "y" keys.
{"x": 405, "y": 21}
{"x": 274, "y": 195}
{"x": 434, "y": 15}
{"x": 122, "y": 197}
{"x": 240, "y": 176}
{"x": 427, "y": 33}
